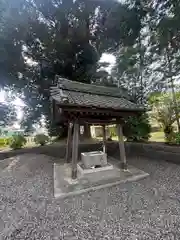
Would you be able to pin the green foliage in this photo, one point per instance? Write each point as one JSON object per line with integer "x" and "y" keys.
{"x": 65, "y": 38}
{"x": 169, "y": 134}
{"x": 113, "y": 131}
{"x": 177, "y": 138}
{"x": 137, "y": 128}
{"x": 165, "y": 32}
{"x": 17, "y": 142}
{"x": 132, "y": 67}
{"x": 41, "y": 139}
{"x": 4, "y": 142}
{"x": 173, "y": 138}
{"x": 7, "y": 114}
{"x": 163, "y": 111}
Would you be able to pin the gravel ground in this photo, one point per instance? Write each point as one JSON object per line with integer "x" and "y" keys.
{"x": 148, "y": 209}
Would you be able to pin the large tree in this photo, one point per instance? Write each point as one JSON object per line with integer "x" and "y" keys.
{"x": 132, "y": 68}
{"x": 165, "y": 43}
{"x": 41, "y": 39}
{"x": 163, "y": 111}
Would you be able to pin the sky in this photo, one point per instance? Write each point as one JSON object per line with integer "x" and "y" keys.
{"x": 109, "y": 58}
{"x": 18, "y": 103}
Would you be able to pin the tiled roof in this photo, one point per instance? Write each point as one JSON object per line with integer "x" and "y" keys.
{"x": 73, "y": 93}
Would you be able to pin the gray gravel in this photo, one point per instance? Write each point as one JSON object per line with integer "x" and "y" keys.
{"x": 148, "y": 209}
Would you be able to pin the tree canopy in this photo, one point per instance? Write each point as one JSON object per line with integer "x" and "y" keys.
{"x": 40, "y": 39}
{"x": 162, "y": 108}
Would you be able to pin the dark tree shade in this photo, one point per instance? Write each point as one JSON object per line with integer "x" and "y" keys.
{"x": 40, "y": 39}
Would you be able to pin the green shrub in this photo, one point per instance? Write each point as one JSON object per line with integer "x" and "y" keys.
{"x": 113, "y": 131}
{"x": 41, "y": 139}
{"x": 169, "y": 134}
{"x": 172, "y": 138}
{"x": 137, "y": 128}
{"x": 8, "y": 141}
{"x": 177, "y": 138}
{"x": 4, "y": 142}
{"x": 17, "y": 141}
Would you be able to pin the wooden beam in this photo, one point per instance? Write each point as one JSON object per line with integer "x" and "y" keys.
{"x": 69, "y": 143}
{"x": 107, "y": 111}
{"x": 99, "y": 121}
{"x": 104, "y": 138}
{"x": 75, "y": 149}
{"x": 94, "y": 111}
{"x": 122, "y": 147}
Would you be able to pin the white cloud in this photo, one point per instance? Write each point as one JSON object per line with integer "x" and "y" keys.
{"x": 2, "y": 96}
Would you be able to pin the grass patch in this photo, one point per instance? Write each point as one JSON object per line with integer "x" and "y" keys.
{"x": 115, "y": 138}
{"x": 157, "y": 137}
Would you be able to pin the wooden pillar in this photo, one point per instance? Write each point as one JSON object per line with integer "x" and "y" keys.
{"x": 75, "y": 149}
{"x": 122, "y": 147}
{"x": 69, "y": 143}
{"x": 104, "y": 138}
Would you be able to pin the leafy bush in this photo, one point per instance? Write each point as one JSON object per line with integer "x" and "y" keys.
{"x": 177, "y": 138}
{"x": 172, "y": 138}
{"x": 4, "y": 142}
{"x": 41, "y": 139}
{"x": 17, "y": 141}
{"x": 113, "y": 131}
{"x": 8, "y": 141}
{"x": 169, "y": 134}
{"x": 137, "y": 129}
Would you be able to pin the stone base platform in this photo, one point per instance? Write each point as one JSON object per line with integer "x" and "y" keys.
{"x": 64, "y": 186}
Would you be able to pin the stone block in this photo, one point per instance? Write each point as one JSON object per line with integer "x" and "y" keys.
{"x": 91, "y": 159}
